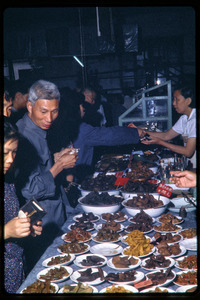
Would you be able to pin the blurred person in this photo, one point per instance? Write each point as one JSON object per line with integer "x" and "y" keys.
{"x": 185, "y": 126}
{"x": 37, "y": 174}
{"x": 14, "y": 228}
{"x": 185, "y": 179}
{"x": 7, "y": 98}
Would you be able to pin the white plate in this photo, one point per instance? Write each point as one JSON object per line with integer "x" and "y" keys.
{"x": 86, "y": 250}
{"x": 179, "y": 260}
{"x": 45, "y": 262}
{"x": 94, "y": 239}
{"x": 183, "y": 251}
{"x": 172, "y": 185}
{"x": 180, "y": 220}
{"x": 94, "y": 290}
{"x": 90, "y": 229}
{"x": 152, "y": 289}
{"x": 179, "y": 229}
{"x": 106, "y": 249}
{"x": 190, "y": 244}
{"x": 51, "y": 283}
{"x": 80, "y": 258}
{"x": 75, "y": 218}
{"x": 125, "y": 218}
{"x": 127, "y": 287}
{"x": 181, "y": 273}
{"x": 99, "y": 226}
{"x": 181, "y": 238}
{"x": 76, "y": 275}
{"x": 111, "y": 265}
{"x": 172, "y": 262}
{"x": 166, "y": 282}
{"x": 152, "y": 251}
{"x": 68, "y": 241}
{"x": 176, "y": 209}
{"x": 183, "y": 289}
{"x": 145, "y": 232}
{"x": 153, "y": 220}
{"x": 43, "y": 272}
{"x": 138, "y": 277}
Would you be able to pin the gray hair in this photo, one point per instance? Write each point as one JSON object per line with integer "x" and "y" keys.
{"x": 43, "y": 89}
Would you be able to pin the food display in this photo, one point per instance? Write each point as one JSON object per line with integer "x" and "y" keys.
{"x": 74, "y": 248}
{"x": 77, "y": 235}
{"x": 111, "y": 165}
{"x": 59, "y": 259}
{"x": 106, "y": 235}
{"x": 167, "y": 227}
{"x": 156, "y": 261}
{"x": 102, "y": 199}
{"x": 124, "y": 261}
{"x": 139, "y": 170}
{"x": 188, "y": 233}
{"x": 170, "y": 238}
{"x": 186, "y": 278}
{"x": 87, "y": 217}
{"x": 165, "y": 218}
{"x": 187, "y": 262}
{"x": 139, "y": 245}
{"x": 100, "y": 183}
{"x": 135, "y": 239}
{"x": 77, "y": 288}
{"x": 40, "y": 287}
{"x": 118, "y": 216}
{"x": 139, "y": 187}
{"x": 144, "y": 201}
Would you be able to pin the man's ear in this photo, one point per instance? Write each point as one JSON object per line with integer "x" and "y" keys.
{"x": 29, "y": 107}
{"x": 189, "y": 100}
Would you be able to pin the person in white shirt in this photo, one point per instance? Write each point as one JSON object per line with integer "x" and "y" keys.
{"x": 185, "y": 126}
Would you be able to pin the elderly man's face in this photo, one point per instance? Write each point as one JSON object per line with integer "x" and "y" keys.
{"x": 44, "y": 112}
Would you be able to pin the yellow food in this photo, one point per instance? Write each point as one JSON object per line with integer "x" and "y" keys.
{"x": 118, "y": 289}
{"x": 139, "y": 245}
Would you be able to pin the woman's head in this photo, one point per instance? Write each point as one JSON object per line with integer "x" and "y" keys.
{"x": 182, "y": 99}
{"x": 11, "y": 138}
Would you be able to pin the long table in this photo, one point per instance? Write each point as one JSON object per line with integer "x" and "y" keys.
{"x": 189, "y": 222}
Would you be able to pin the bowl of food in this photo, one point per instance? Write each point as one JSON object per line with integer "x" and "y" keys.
{"x": 153, "y": 205}
{"x": 100, "y": 203}
{"x": 182, "y": 201}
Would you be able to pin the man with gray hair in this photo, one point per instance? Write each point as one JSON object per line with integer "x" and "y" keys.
{"x": 38, "y": 175}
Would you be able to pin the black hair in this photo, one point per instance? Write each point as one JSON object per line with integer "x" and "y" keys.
{"x": 10, "y": 131}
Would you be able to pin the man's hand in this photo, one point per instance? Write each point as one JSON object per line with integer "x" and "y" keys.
{"x": 36, "y": 229}
{"x": 17, "y": 228}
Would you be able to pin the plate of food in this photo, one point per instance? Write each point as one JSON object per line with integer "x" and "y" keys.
{"x": 106, "y": 236}
{"x": 161, "y": 277}
{"x": 92, "y": 276}
{"x": 167, "y": 227}
{"x": 139, "y": 252}
{"x": 106, "y": 249}
{"x": 85, "y": 217}
{"x": 117, "y": 217}
{"x": 186, "y": 262}
{"x": 90, "y": 260}
{"x": 169, "y": 238}
{"x": 73, "y": 248}
{"x": 124, "y": 262}
{"x": 63, "y": 259}
{"x": 110, "y": 225}
{"x": 188, "y": 233}
{"x": 157, "y": 289}
{"x": 118, "y": 288}
{"x": 172, "y": 251}
{"x": 41, "y": 287}
{"x": 126, "y": 277}
{"x": 145, "y": 228}
{"x": 88, "y": 226}
{"x": 55, "y": 274}
{"x": 76, "y": 235}
{"x": 186, "y": 289}
{"x": 157, "y": 262}
{"x": 188, "y": 277}
{"x": 168, "y": 217}
{"x": 79, "y": 288}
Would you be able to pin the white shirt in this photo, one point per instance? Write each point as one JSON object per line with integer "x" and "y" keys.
{"x": 186, "y": 126}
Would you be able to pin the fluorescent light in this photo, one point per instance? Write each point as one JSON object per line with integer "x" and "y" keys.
{"x": 80, "y": 63}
